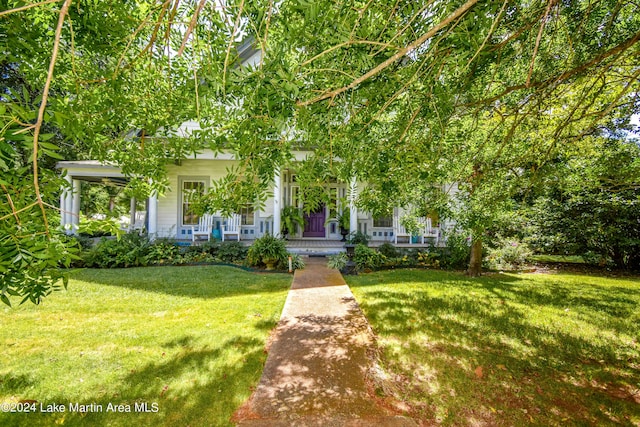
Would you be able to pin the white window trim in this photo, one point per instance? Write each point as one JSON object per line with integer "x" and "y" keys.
{"x": 181, "y": 181}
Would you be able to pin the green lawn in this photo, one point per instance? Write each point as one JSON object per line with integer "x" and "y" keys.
{"x": 568, "y": 259}
{"x": 187, "y": 340}
{"x": 508, "y": 349}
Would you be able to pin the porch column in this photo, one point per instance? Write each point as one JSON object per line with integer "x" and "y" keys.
{"x": 75, "y": 205}
{"x": 68, "y": 205}
{"x": 277, "y": 202}
{"x": 63, "y": 205}
{"x": 132, "y": 213}
{"x": 353, "y": 214}
{"x": 152, "y": 215}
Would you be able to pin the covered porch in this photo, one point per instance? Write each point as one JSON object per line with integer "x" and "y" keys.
{"x": 92, "y": 171}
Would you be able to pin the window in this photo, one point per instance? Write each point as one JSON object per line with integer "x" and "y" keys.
{"x": 295, "y": 200}
{"x": 333, "y": 202}
{"x": 190, "y": 190}
{"x": 247, "y": 214}
{"x": 383, "y": 221}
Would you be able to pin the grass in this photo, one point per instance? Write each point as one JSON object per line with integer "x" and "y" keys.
{"x": 188, "y": 341}
{"x": 508, "y": 349}
{"x": 568, "y": 259}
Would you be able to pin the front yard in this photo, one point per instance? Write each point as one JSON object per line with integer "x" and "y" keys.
{"x": 507, "y": 349}
{"x": 185, "y": 344}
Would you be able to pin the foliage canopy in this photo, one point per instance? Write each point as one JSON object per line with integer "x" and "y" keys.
{"x": 407, "y": 94}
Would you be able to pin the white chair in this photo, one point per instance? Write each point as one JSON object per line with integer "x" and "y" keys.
{"x": 428, "y": 231}
{"x": 399, "y": 230}
{"x": 139, "y": 220}
{"x": 232, "y": 226}
{"x": 204, "y": 228}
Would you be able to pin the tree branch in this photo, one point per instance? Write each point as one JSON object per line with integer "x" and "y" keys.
{"x": 347, "y": 43}
{"x": 192, "y": 24}
{"x": 43, "y": 106}
{"x": 29, "y": 6}
{"x": 562, "y": 77}
{"x": 402, "y": 52}
{"x": 233, "y": 33}
{"x": 538, "y": 38}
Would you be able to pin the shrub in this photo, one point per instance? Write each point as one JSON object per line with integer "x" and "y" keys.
{"x": 267, "y": 250}
{"x": 163, "y": 251}
{"x": 457, "y": 252}
{"x": 428, "y": 259}
{"x": 212, "y": 247}
{"x": 129, "y": 251}
{"x": 358, "y": 238}
{"x": 388, "y": 250}
{"x": 231, "y": 252}
{"x": 296, "y": 263}
{"x": 338, "y": 261}
{"x": 367, "y": 258}
{"x": 510, "y": 254}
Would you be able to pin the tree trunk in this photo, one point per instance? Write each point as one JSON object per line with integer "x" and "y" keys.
{"x": 475, "y": 263}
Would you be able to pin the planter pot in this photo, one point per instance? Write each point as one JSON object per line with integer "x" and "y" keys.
{"x": 351, "y": 250}
{"x": 270, "y": 263}
{"x": 414, "y": 239}
{"x": 344, "y": 233}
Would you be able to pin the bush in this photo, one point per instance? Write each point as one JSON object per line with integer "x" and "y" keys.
{"x": 163, "y": 251}
{"x": 388, "y": 250}
{"x": 457, "y": 252}
{"x": 267, "y": 250}
{"x": 510, "y": 254}
{"x": 231, "y": 252}
{"x": 296, "y": 263}
{"x": 131, "y": 250}
{"x": 338, "y": 261}
{"x": 367, "y": 258}
{"x": 358, "y": 238}
{"x": 212, "y": 247}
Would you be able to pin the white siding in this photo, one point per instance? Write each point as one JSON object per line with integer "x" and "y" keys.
{"x": 168, "y": 207}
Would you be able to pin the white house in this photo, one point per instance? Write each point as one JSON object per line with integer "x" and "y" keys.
{"x": 171, "y": 214}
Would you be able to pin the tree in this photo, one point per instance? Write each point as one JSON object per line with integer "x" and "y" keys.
{"x": 407, "y": 94}
{"x": 592, "y": 206}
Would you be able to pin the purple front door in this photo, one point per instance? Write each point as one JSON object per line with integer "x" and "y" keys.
{"x": 314, "y": 223}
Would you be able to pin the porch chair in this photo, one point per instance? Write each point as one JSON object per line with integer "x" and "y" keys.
{"x": 138, "y": 221}
{"x": 204, "y": 228}
{"x": 232, "y": 226}
{"x": 428, "y": 231}
{"x": 399, "y": 230}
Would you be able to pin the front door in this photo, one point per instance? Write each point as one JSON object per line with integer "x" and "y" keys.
{"x": 314, "y": 223}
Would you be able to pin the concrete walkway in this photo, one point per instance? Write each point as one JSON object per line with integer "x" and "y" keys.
{"x": 316, "y": 370}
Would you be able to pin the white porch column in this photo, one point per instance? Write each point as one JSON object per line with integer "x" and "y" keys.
{"x": 152, "y": 214}
{"x": 63, "y": 206}
{"x": 75, "y": 205}
{"x": 353, "y": 214}
{"x": 277, "y": 203}
{"x": 68, "y": 205}
{"x": 132, "y": 213}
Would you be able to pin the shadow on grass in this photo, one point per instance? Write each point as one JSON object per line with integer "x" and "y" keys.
{"x": 198, "y": 387}
{"x": 502, "y": 350}
{"x": 10, "y": 383}
{"x": 188, "y": 281}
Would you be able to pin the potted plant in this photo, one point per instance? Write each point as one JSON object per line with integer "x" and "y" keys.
{"x": 291, "y": 218}
{"x": 412, "y": 225}
{"x": 267, "y": 250}
{"x": 344, "y": 222}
